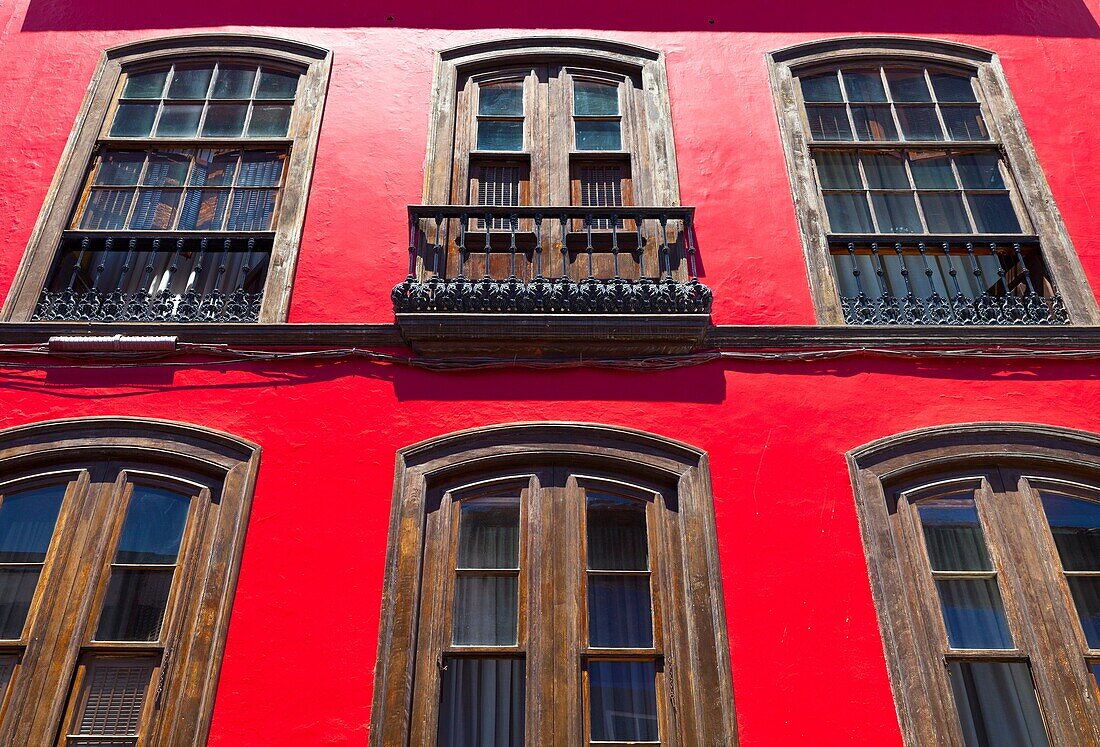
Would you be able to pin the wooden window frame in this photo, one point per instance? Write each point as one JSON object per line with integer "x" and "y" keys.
{"x": 69, "y": 180}
{"x": 58, "y": 639}
{"x": 885, "y": 474}
{"x": 695, "y": 651}
{"x": 1035, "y": 201}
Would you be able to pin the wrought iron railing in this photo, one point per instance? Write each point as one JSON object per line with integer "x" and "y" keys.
{"x": 611, "y": 260}
{"x": 945, "y": 282}
{"x": 157, "y": 278}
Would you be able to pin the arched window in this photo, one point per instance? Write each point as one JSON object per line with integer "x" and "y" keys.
{"x": 551, "y": 159}
{"x": 182, "y": 192}
{"x": 918, "y": 193}
{"x": 119, "y": 544}
{"x": 985, "y": 566}
{"x": 552, "y": 584}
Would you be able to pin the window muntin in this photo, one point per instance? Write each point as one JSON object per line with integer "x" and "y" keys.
{"x": 211, "y": 100}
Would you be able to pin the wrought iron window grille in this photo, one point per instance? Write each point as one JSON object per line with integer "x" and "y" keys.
{"x": 560, "y": 271}
{"x": 945, "y": 282}
{"x": 143, "y": 278}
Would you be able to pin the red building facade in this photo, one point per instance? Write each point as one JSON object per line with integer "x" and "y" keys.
{"x": 780, "y": 413}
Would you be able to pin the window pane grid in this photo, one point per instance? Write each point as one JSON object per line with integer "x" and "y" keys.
{"x": 165, "y": 115}
{"x": 912, "y": 95}
{"x": 157, "y": 199}
{"x": 485, "y": 609}
{"x": 942, "y": 199}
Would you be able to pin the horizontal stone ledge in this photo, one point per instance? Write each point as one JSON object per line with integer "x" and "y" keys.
{"x": 573, "y": 335}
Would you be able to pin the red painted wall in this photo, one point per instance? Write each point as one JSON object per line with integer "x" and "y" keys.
{"x": 807, "y": 655}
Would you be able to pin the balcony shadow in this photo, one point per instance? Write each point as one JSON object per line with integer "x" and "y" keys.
{"x": 1054, "y": 18}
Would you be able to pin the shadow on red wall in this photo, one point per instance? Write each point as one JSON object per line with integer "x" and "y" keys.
{"x": 1056, "y": 18}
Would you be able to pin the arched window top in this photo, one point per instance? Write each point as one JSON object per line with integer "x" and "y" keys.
{"x": 603, "y": 52}
{"x": 201, "y": 450}
{"x": 187, "y": 46}
{"x": 847, "y": 48}
{"x": 941, "y": 448}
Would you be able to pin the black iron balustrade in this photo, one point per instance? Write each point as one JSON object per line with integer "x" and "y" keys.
{"x": 157, "y": 278}
{"x": 606, "y": 260}
{"x": 966, "y": 282}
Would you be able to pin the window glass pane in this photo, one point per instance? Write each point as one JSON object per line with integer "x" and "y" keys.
{"x": 595, "y": 99}
{"x": 864, "y": 85}
{"x": 190, "y": 83}
{"x": 224, "y": 120}
{"x": 27, "y": 521}
{"x": 260, "y": 168}
{"x": 276, "y": 84}
{"x": 154, "y": 526}
{"x": 825, "y": 87}
{"x": 252, "y": 210}
{"x": 952, "y": 87}
{"x": 179, "y": 120}
{"x": 617, "y": 538}
{"x": 1094, "y": 667}
{"x": 481, "y": 703}
{"x": 829, "y": 123}
{"x": 269, "y": 121}
{"x": 896, "y": 213}
{"x": 119, "y": 167}
{"x": 965, "y": 122}
{"x": 1086, "y": 598}
{"x": 1075, "y": 524}
{"x": 488, "y": 533}
{"x": 953, "y": 534}
{"x": 133, "y": 608}
{"x": 907, "y": 85}
{"x": 233, "y": 82}
{"x": 874, "y": 123}
{"x": 837, "y": 170}
{"x": 166, "y": 169}
{"x": 973, "y": 613}
{"x": 148, "y": 85}
{"x": 919, "y": 123}
{"x": 485, "y": 610}
{"x": 996, "y": 704}
{"x": 106, "y": 209}
{"x": 623, "y": 701}
{"x": 848, "y": 213}
{"x": 17, "y": 587}
{"x": 155, "y": 209}
{"x": 993, "y": 213}
{"x": 203, "y": 210}
{"x": 133, "y": 120}
{"x": 932, "y": 170}
{"x": 499, "y": 135}
{"x": 944, "y": 213}
{"x": 980, "y": 171}
{"x": 214, "y": 168}
{"x": 885, "y": 171}
{"x": 620, "y": 612}
{"x": 597, "y": 135}
{"x": 501, "y": 99}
